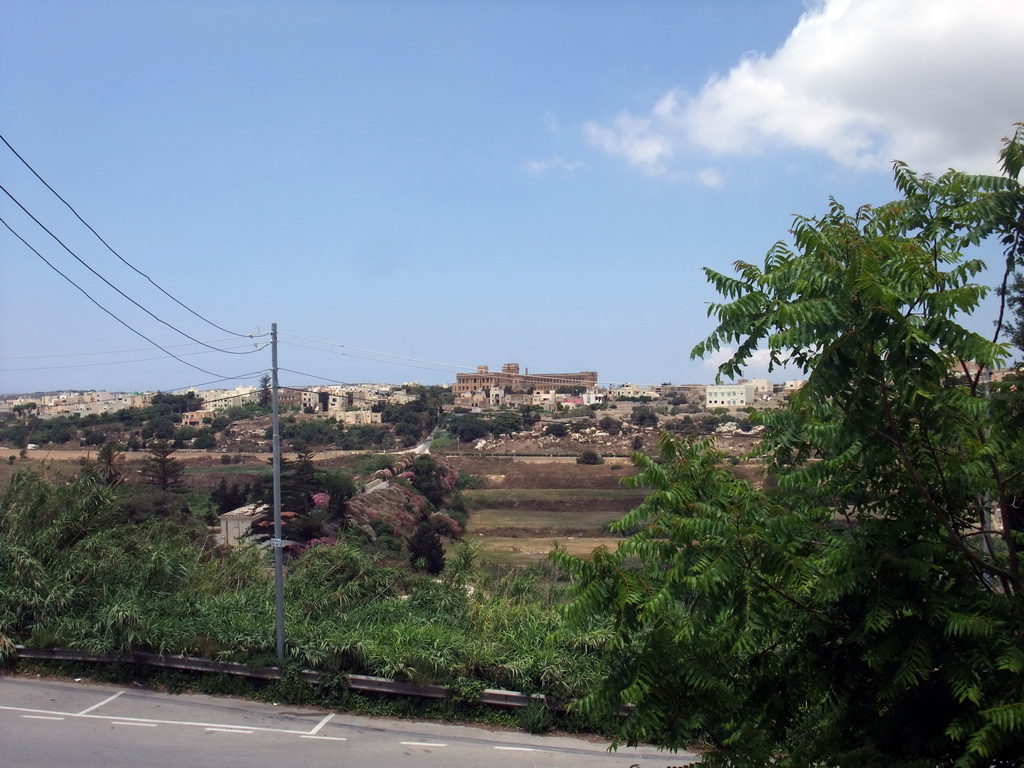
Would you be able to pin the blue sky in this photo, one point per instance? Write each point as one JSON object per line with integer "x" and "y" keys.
{"x": 409, "y": 189}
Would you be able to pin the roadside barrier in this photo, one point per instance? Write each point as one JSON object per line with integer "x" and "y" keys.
{"x": 493, "y": 696}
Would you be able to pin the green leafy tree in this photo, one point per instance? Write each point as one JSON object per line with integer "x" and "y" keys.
{"x": 190, "y": 401}
{"x": 644, "y": 416}
{"x": 867, "y": 608}
{"x": 161, "y": 469}
{"x": 467, "y": 428}
{"x": 1015, "y": 303}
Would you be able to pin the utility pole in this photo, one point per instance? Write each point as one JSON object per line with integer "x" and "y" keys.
{"x": 277, "y": 540}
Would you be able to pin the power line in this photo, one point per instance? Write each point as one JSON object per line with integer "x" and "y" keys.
{"x": 71, "y": 417}
{"x": 558, "y": 379}
{"x": 321, "y": 378}
{"x": 371, "y": 359}
{"x": 374, "y": 352}
{"x": 259, "y": 348}
{"x": 109, "y": 248}
{"x": 118, "y": 351}
{"x": 101, "y": 277}
{"x": 122, "y": 322}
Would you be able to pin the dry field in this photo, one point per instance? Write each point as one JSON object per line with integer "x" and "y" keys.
{"x": 526, "y": 508}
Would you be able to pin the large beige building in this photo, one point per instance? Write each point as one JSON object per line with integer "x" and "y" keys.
{"x": 484, "y": 385}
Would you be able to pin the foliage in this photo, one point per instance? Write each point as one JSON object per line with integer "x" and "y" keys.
{"x": 361, "y": 437}
{"x": 556, "y": 429}
{"x": 190, "y": 401}
{"x": 425, "y": 550}
{"x": 589, "y": 457}
{"x": 466, "y": 428}
{"x": 644, "y": 416}
{"x": 432, "y": 478}
{"x": 74, "y": 578}
{"x": 161, "y": 469}
{"x": 109, "y": 464}
{"x": 866, "y": 610}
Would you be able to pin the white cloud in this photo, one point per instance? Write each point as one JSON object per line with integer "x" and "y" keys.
{"x": 556, "y": 163}
{"x": 647, "y": 142}
{"x": 709, "y": 177}
{"x": 756, "y": 367}
{"x": 934, "y": 82}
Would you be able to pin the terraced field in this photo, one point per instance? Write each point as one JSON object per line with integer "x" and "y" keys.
{"x": 525, "y": 509}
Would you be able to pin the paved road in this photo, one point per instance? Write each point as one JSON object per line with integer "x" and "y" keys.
{"x": 48, "y": 724}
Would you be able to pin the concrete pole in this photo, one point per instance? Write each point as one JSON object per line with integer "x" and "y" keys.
{"x": 278, "y": 543}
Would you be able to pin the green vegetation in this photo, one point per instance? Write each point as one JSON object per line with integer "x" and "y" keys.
{"x": 77, "y": 576}
{"x": 589, "y": 457}
{"x": 162, "y": 469}
{"x": 868, "y": 608}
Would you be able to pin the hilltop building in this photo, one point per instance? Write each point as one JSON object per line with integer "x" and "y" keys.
{"x": 510, "y": 386}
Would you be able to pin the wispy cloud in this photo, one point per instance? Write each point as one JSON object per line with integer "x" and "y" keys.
{"x": 932, "y": 82}
{"x": 756, "y": 367}
{"x": 554, "y": 164}
{"x": 551, "y": 122}
{"x": 709, "y": 177}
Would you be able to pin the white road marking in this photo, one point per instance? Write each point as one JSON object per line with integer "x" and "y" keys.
{"x": 97, "y": 706}
{"x": 421, "y": 744}
{"x": 137, "y": 725}
{"x": 42, "y": 717}
{"x": 519, "y": 749}
{"x": 323, "y": 738}
{"x": 153, "y": 721}
{"x": 321, "y": 724}
{"x": 228, "y": 730}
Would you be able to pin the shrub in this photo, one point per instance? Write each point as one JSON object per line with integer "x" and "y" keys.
{"x": 589, "y": 457}
{"x": 426, "y": 551}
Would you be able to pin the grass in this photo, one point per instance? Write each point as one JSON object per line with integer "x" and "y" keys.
{"x": 582, "y": 519}
{"x": 531, "y": 551}
{"x": 230, "y": 469}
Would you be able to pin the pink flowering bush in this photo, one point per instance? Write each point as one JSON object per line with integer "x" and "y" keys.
{"x": 321, "y": 499}
{"x": 323, "y": 541}
{"x": 396, "y": 506}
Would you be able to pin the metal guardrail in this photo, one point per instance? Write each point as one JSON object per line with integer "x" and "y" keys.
{"x": 493, "y": 696}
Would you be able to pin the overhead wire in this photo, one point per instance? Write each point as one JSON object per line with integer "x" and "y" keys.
{"x": 258, "y": 348}
{"x": 314, "y": 376}
{"x": 117, "y": 351}
{"x": 362, "y": 357}
{"x": 108, "y": 246}
{"x": 374, "y": 352}
{"x": 118, "y": 319}
{"x": 97, "y": 274}
{"x": 559, "y": 379}
{"x": 112, "y": 416}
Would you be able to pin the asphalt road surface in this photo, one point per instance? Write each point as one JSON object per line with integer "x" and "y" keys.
{"x": 56, "y": 724}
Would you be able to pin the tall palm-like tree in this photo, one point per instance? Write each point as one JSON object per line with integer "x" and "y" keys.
{"x": 110, "y": 464}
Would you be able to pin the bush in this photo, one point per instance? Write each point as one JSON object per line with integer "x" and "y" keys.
{"x": 556, "y": 430}
{"x": 589, "y": 457}
{"x": 426, "y": 551}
